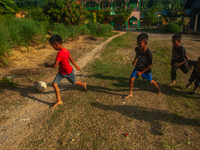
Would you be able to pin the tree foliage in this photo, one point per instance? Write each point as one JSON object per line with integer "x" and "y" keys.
{"x": 68, "y": 12}
{"x": 102, "y": 14}
{"x": 4, "y": 7}
{"x": 123, "y": 14}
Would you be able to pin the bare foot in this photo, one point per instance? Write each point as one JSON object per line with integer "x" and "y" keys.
{"x": 84, "y": 86}
{"x": 129, "y": 95}
{"x": 173, "y": 82}
{"x": 57, "y": 103}
{"x": 159, "y": 91}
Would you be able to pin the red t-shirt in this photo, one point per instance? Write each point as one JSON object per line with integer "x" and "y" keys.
{"x": 63, "y": 58}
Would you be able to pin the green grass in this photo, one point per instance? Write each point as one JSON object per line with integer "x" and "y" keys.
{"x": 167, "y": 121}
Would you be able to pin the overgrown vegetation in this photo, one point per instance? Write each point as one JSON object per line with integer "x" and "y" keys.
{"x": 24, "y": 32}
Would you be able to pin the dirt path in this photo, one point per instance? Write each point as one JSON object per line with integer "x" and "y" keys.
{"x": 21, "y": 121}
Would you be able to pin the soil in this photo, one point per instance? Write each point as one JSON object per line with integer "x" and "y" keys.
{"x": 22, "y": 105}
{"x": 25, "y": 105}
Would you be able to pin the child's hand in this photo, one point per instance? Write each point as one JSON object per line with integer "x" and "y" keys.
{"x": 78, "y": 68}
{"x": 46, "y": 64}
{"x": 177, "y": 65}
{"x": 138, "y": 73}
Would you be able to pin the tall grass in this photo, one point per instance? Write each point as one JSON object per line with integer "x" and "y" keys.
{"x": 23, "y": 32}
{"x": 99, "y": 29}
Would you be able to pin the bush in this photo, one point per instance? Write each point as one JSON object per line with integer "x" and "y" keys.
{"x": 101, "y": 29}
{"x": 37, "y": 14}
{"x": 61, "y": 30}
{"x": 68, "y": 12}
{"x": 93, "y": 28}
{"x": 5, "y": 44}
{"x": 172, "y": 28}
{"x": 21, "y": 31}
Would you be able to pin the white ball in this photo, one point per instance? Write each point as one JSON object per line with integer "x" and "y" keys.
{"x": 41, "y": 86}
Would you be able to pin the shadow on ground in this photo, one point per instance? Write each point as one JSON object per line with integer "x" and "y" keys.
{"x": 143, "y": 85}
{"x": 152, "y": 116}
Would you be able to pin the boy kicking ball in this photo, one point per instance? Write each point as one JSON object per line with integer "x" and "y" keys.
{"x": 65, "y": 69}
{"x": 195, "y": 76}
{"x": 143, "y": 64}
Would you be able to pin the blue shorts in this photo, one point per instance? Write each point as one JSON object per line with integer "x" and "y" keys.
{"x": 70, "y": 77}
{"x": 144, "y": 75}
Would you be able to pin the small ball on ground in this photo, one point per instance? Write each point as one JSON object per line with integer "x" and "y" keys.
{"x": 41, "y": 86}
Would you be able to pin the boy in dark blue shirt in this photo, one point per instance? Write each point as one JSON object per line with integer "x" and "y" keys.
{"x": 179, "y": 57}
{"x": 195, "y": 76}
{"x": 143, "y": 63}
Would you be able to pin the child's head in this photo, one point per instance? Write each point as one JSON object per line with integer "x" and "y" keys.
{"x": 56, "y": 41}
{"x": 142, "y": 40}
{"x": 176, "y": 39}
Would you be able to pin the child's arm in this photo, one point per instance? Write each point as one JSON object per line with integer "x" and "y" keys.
{"x": 53, "y": 65}
{"x": 139, "y": 73}
{"x": 135, "y": 61}
{"x": 74, "y": 63}
{"x": 179, "y": 64}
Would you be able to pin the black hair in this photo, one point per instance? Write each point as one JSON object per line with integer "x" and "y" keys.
{"x": 143, "y": 36}
{"x": 55, "y": 39}
{"x": 177, "y": 36}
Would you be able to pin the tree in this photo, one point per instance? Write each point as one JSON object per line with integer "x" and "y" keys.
{"x": 4, "y": 6}
{"x": 68, "y": 12}
{"x": 123, "y": 14}
{"x": 103, "y": 14}
{"x": 150, "y": 16}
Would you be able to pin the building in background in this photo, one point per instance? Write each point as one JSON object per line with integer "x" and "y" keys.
{"x": 194, "y": 5}
{"x": 96, "y": 5}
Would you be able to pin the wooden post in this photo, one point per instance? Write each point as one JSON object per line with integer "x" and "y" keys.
{"x": 195, "y": 24}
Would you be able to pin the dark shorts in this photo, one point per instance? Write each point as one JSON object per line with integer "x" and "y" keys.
{"x": 70, "y": 77}
{"x": 144, "y": 75}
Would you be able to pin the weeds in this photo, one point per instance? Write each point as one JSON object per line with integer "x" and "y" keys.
{"x": 6, "y": 82}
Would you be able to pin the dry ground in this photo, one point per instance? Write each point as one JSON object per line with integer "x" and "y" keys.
{"x": 115, "y": 112}
{"x": 19, "y": 106}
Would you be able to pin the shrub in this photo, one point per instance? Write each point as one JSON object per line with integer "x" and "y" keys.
{"x": 61, "y": 30}
{"x": 5, "y": 44}
{"x": 37, "y": 14}
{"x": 21, "y": 31}
{"x": 93, "y": 28}
{"x": 172, "y": 28}
{"x": 68, "y": 12}
{"x": 101, "y": 29}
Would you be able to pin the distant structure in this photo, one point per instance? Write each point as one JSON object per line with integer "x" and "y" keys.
{"x": 194, "y": 5}
{"x": 96, "y": 5}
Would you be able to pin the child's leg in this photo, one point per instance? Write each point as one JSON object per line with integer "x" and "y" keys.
{"x": 191, "y": 80}
{"x": 156, "y": 85}
{"x": 81, "y": 84}
{"x": 173, "y": 75}
{"x": 197, "y": 83}
{"x": 130, "y": 88}
{"x": 57, "y": 91}
{"x": 55, "y": 83}
{"x": 72, "y": 78}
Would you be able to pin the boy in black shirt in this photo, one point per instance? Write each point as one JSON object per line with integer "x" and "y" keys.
{"x": 195, "y": 75}
{"x": 143, "y": 63}
{"x": 179, "y": 58}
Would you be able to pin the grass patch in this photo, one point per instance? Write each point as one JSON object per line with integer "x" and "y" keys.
{"x": 100, "y": 116}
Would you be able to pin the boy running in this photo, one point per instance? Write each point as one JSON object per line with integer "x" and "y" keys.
{"x": 65, "y": 69}
{"x": 179, "y": 58}
{"x": 143, "y": 64}
{"x": 195, "y": 76}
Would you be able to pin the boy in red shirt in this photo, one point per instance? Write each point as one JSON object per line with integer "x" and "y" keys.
{"x": 65, "y": 69}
